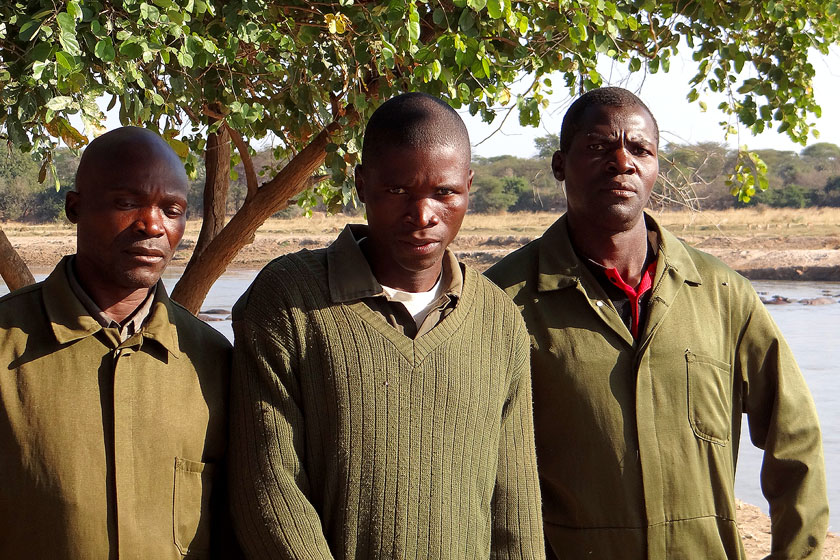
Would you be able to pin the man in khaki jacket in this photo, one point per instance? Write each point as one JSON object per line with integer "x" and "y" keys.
{"x": 645, "y": 354}
{"x": 113, "y": 398}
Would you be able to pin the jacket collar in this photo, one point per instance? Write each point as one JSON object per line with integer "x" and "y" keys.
{"x": 70, "y": 321}
{"x": 559, "y": 266}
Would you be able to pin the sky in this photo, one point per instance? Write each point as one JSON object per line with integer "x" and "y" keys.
{"x": 665, "y": 93}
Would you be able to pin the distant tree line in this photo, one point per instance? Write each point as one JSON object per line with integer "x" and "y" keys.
{"x": 691, "y": 175}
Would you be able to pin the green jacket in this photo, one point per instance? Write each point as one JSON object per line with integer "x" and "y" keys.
{"x": 637, "y": 442}
{"x": 109, "y": 449}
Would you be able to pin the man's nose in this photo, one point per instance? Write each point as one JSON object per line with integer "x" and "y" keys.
{"x": 150, "y": 222}
{"x": 621, "y": 161}
{"x": 421, "y": 212}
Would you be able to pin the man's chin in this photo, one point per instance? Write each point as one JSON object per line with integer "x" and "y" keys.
{"x": 139, "y": 278}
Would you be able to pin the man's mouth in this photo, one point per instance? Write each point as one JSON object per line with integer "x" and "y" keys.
{"x": 148, "y": 255}
{"x": 421, "y": 245}
{"x": 621, "y": 189}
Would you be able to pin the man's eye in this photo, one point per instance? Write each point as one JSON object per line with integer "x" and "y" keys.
{"x": 124, "y": 204}
{"x": 445, "y": 191}
{"x": 596, "y": 147}
{"x": 396, "y": 190}
{"x": 174, "y": 211}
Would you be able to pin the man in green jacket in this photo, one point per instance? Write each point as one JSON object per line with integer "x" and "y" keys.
{"x": 645, "y": 353}
{"x": 113, "y": 398}
{"x": 381, "y": 395}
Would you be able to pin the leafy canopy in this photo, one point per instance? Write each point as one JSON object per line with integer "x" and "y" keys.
{"x": 290, "y": 69}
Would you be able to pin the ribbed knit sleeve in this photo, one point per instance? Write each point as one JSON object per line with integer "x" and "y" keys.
{"x": 517, "y": 516}
{"x": 269, "y": 485}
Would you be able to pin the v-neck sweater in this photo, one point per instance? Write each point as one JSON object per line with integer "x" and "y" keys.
{"x": 351, "y": 440}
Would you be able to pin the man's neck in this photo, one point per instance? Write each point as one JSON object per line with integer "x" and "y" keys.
{"x": 626, "y": 251}
{"x": 116, "y": 304}
{"x": 120, "y": 310}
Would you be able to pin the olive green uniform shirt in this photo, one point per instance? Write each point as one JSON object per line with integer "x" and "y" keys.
{"x": 109, "y": 449}
{"x": 637, "y": 440}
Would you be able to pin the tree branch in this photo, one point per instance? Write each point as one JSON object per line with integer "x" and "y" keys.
{"x": 12, "y": 268}
{"x": 247, "y": 162}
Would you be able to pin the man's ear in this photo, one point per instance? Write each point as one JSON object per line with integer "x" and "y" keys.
{"x": 71, "y": 205}
{"x": 359, "y": 179}
{"x": 558, "y": 165}
{"x": 469, "y": 180}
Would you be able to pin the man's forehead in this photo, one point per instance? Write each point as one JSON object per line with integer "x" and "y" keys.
{"x": 133, "y": 168}
{"x": 608, "y": 119}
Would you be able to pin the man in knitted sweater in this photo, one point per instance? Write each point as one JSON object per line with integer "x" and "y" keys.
{"x": 381, "y": 401}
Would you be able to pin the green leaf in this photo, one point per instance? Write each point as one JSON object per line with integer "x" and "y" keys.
{"x": 105, "y": 49}
{"x": 185, "y": 59}
{"x": 97, "y": 29}
{"x": 477, "y": 5}
{"x": 64, "y": 60}
{"x": 131, "y": 49}
{"x": 74, "y": 9}
{"x": 436, "y": 69}
{"x": 495, "y": 8}
{"x": 70, "y": 43}
{"x": 466, "y": 21}
{"x": 59, "y": 103}
{"x": 28, "y": 30}
{"x": 66, "y": 22}
{"x": 414, "y": 31}
{"x": 41, "y": 52}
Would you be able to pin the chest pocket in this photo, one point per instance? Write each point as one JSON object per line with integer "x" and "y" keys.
{"x": 709, "y": 398}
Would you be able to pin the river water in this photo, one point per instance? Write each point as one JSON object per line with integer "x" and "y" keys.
{"x": 813, "y": 333}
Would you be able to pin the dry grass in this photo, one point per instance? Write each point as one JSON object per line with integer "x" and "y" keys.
{"x": 741, "y": 222}
{"x": 753, "y": 221}
{"x": 737, "y": 223}
{"x": 57, "y": 229}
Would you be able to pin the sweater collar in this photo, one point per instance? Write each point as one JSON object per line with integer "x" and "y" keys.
{"x": 70, "y": 321}
{"x": 560, "y": 267}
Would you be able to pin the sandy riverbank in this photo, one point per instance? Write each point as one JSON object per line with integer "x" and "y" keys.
{"x": 765, "y": 245}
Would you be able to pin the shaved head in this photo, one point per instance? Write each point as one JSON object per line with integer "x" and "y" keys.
{"x": 124, "y": 146}
{"x": 601, "y": 97}
{"x": 414, "y": 120}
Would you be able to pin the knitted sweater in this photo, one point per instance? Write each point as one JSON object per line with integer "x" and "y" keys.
{"x": 351, "y": 440}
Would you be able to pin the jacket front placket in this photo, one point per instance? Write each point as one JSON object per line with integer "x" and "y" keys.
{"x": 124, "y": 356}
{"x": 665, "y": 290}
{"x": 648, "y": 388}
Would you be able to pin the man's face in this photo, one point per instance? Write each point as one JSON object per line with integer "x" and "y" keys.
{"x": 610, "y": 168}
{"x": 130, "y": 217}
{"x": 415, "y": 199}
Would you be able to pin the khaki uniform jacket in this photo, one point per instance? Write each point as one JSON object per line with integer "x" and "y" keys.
{"x": 637, "y": 441}
{"x": 109, "y": 449}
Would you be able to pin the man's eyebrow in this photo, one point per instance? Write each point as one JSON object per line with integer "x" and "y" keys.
{"x": 635, "y": 138}
{"x": 600, "y": 136}
{"x": 641, "y": 138}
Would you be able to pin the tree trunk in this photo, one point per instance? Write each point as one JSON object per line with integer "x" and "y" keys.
{"x": 12, "y": 268}
{"x": 203, "y": 270}
{"x": 216, "y": 186}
